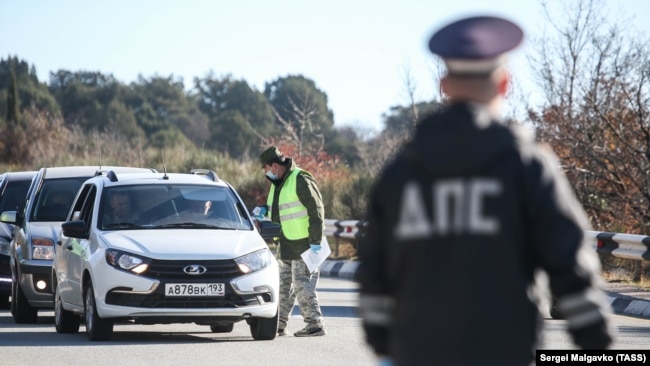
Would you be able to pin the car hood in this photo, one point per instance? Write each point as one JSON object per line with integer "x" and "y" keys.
{"x": 50, "y": 229}
{"x": 185, "y": 244}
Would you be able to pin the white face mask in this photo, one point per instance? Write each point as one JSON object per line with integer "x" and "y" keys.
{"x": 271, "y": 175}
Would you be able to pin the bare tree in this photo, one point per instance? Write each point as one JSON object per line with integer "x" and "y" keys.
{"x": 302, "y": 113}
{"x": 410, "y": 87}
{"x": 595, "y": 81}
{"x": 378, "y": 151}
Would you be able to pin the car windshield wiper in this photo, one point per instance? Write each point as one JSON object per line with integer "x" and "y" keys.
{"x": 191, "y": 225}
{"x": 123, "y": 225}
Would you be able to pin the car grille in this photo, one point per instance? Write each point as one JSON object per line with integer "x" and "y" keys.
{"x": 215, "y": 269}
{"x": 222, "y": 271}
{"x": 158, "y": 300}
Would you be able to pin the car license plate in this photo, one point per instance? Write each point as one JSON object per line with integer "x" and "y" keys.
{"x": 195, "y": 289}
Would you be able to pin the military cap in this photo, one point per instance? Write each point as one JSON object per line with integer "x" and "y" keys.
{"x": 476, "y": 45}
{"x": 270, "y": 154}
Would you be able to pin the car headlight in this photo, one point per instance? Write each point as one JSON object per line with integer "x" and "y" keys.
{"x": 4, "y": 248}
{"x": 254, "y": 261}
{"x": 42, "y": 248}
{"x": 126, "y": 261}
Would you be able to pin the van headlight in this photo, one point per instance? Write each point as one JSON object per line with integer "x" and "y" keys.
{"x": 254, "y": 261}
{"x": 126, "y": 261}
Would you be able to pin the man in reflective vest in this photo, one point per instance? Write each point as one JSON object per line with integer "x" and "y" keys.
{"x": 295, "y": 202}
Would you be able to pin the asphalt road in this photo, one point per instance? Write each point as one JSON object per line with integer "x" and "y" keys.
{"x": 190, "y": 344}
{"x": 174, "y": 344}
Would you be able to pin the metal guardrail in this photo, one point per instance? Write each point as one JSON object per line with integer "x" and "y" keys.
{"x": 348, "y": 229}
{"x": 628, "y": 246}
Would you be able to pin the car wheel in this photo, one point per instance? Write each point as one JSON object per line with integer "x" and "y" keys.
{"x": 4, "y": 301}
{"x": 64, "y": 321}
{"x": 222, "y": 328}
{"x": 264, "y": 329}
{"x": 97, "y": 329}
{"x": 21, "y": 310}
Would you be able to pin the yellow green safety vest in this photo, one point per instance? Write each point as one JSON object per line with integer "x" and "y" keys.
{"x": 293, "y": 214}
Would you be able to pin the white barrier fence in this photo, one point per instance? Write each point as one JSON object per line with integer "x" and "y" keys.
{"x": 627, "y": 246}
{"x": 620, "y": 245}
{"x": 348, "y": 229}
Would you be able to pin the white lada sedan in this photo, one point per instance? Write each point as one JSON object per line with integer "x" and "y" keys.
{"x": 163, "y": 248}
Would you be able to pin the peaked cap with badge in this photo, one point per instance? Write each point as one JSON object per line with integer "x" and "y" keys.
{"x": 477, "y": 45}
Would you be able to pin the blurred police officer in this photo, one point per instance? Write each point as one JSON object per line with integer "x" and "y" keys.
{"x": 295, "y": 202}
{"x": 462, "y": 219}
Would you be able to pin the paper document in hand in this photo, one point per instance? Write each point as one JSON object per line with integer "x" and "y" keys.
{"x": 314, "y": 260}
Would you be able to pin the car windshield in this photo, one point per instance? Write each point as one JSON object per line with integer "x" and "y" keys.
{"x": 53, "y": 200}
{"x": 171, "y": 206}
{"x": 15, "y": 192}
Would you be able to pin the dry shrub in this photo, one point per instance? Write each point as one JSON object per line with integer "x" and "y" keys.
{"x": 38, "y": 139}
{"x": 626, "y": 270}
{"x": 342, "y": 249}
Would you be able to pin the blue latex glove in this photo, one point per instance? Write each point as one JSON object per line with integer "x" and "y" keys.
{"x": 315, "y": 248}
{"x": 259, "y": 213}
{"x": 262, "y": 213}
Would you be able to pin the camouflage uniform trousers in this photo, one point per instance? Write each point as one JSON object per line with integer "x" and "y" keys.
{"x": 297, "y": 283}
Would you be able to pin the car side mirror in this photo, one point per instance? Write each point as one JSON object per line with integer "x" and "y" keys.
{"x": 75, "y": 229}
{"x": 8, "y": 217}
{"x": 269, "y": 230}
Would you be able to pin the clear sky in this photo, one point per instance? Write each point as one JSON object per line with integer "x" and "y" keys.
{"x": 356, "y": 51}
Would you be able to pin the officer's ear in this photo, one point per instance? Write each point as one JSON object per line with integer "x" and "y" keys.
{"x": 503, "y": 84}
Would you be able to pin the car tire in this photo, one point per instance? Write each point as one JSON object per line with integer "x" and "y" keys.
{"x": 21, "y": 310}
{"x": 264, "y": 329}
{"x": 97, "y": 329}
{"x": 4, "y": 301}
{"x": 64, "y": 321}
{"x": 222, "y": 328}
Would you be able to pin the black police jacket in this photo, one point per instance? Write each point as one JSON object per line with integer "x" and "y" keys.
{"x": 458, "y": 225}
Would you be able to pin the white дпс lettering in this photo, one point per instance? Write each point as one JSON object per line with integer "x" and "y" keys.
{"x": 457, "y": 209}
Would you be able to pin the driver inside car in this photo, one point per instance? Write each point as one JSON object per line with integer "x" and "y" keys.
{"x": 121, "y": 209}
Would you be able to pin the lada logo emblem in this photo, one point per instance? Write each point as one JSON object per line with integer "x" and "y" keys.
{"x": 195, "y": 269}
